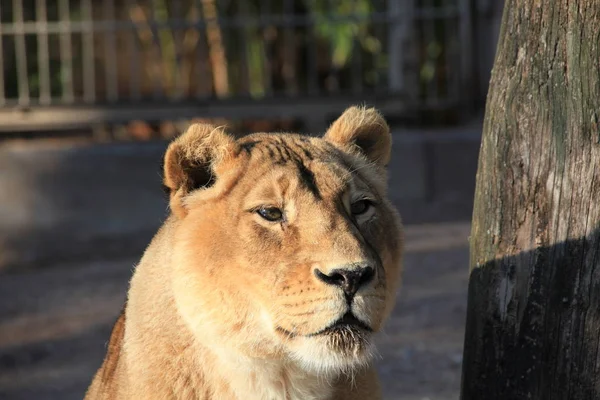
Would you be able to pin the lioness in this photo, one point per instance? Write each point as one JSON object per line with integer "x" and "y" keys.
{"x": 279, "y": 261}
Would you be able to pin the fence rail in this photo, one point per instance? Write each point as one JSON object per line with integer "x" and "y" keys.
{"x": 73, "y": 63}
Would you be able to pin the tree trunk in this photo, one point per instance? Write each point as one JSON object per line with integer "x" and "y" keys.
{"x": 533, "y": 320}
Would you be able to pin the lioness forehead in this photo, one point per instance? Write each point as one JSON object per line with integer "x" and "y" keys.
{"x": 286, "y": 147}
{"x": 317, "y": 164}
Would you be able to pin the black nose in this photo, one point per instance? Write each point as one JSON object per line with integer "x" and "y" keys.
{"x": 349, "y": 279}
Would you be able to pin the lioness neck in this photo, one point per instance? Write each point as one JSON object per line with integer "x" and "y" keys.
{"x": 256, "y": 379}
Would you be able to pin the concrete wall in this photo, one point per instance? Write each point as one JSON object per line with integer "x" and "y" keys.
{"x": 64, "y": 202}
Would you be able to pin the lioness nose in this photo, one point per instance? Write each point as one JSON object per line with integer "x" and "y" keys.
{"x": 348, "y": 279}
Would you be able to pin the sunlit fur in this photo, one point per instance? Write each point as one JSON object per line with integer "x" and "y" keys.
{"x": 227, "y": 305}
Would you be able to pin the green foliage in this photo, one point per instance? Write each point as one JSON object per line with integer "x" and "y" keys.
{"x": 167, "y": 44}
{"x": 256, "y": 66}
{"x": 432, "y": 54}
{"x": 342, "y": 35}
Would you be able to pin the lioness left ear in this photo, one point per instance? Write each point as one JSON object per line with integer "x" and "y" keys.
{"x": 190, "y": 161}
{"x": 363, "y": 129}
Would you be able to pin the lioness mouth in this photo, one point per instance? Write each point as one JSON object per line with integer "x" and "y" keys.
{"x": 348, "y": 321}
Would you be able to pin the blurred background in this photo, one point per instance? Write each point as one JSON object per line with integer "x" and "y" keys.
{"x": 92, "y": 90}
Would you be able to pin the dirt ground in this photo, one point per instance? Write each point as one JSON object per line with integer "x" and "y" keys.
{"x": 54, "y": 323}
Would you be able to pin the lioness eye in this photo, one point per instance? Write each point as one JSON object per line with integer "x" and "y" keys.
{"x": 360, "y": 207}
{"x": 270, "y": 213}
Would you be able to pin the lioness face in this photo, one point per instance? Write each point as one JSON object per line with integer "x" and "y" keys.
{"x": 291, "y": 251}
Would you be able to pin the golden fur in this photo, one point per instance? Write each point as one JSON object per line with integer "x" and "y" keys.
{"x": 226, "y": 304}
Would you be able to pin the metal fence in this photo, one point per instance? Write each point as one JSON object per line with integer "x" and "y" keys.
{"x": 75, "y": 63}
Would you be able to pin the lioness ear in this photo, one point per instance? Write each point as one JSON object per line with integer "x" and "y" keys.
{"x": 365, "y": 130}
{"x": 190, "y": 159}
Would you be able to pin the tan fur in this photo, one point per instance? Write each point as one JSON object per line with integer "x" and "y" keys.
{"x": 227, "y": 305}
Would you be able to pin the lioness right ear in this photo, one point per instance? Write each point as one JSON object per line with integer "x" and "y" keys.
{"x": 190, "y": 159}
{"x": 364, "y": 130}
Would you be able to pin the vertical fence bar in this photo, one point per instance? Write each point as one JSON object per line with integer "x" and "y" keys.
{"x": 333, "y": 79}
{"x": 2, "y": 91}
{"x": 217, "y": 48}
{"x": 357, "y": 83}
{"x": 89, "y": 66}
{"x": 66, "y": 57}
{"x": 21, "y": 54}
{"x": 465, "y": 55}
{"x": 383, "y": 32}
{"x": 289, "y": 66}
{"x": 201, "y": 68}
{"x": 266, "y": 55}
{"x": 312, "y": 72}
{"x": 177, "y": 35}
{"x": 246, "y": 31}
{"x": 43, "y": 53}
{"x": 400, "y": 16}
{"x": 134, "y": 72}
{"x": 110, "y": 53}
{"x": 203, "y": 63}
{"x": 451, "y": 60}
{"x": 189, "y": 41}
{"x": 158, "y": 69}
{"x": 430, "y": 38}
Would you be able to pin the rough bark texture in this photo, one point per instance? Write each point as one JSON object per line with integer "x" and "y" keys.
{"x": 533, "y": 323}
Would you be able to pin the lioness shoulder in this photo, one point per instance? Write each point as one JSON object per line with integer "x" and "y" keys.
{"x": 278, "y": 263}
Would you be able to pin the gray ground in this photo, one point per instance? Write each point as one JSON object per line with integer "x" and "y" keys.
{"x": 54, "y": 323}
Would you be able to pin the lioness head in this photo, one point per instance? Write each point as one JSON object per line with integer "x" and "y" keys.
{"x": 286, "y": 247}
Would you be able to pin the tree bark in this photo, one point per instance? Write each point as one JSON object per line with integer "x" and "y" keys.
{"x": 533, "y": 319}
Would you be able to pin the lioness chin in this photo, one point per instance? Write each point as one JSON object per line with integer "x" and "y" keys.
{"x": 279, "y": 261}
